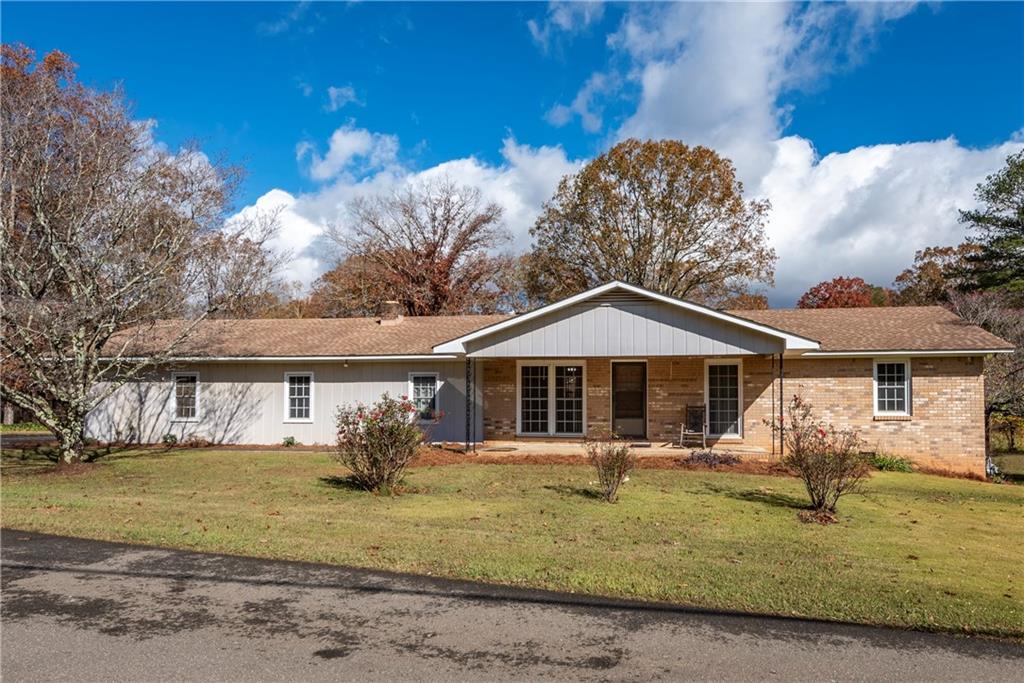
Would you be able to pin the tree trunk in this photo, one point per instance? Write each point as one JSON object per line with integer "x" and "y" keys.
{"x": 71, "y": 438}
{"x": 8, "y": 413}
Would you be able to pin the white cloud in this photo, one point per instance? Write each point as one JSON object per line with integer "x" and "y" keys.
{"x": 565, "y": 18}
{"x": 526, "y": 178}
{"x": 295, "y": 236}
{"x": 864, "y": 212}
{"x": 338, "y": 97}
{"x": 350, "y": 149}
{"x": 712, "y": 74}
{"x": 583, "y": 105}
{"x": 294, "y": 16}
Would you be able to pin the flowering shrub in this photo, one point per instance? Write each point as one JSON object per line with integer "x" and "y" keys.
{"x": 613, "y": 460}
{"x": 378, "y": 441}
{"x": 827, "y": 459}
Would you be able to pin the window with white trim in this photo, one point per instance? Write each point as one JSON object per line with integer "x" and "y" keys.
{"x": 423, "y": 394}
{"x": 551, "y": 398}
{"x": 186, "y": 396}
{"x": 892, "y": 387}
{"x": 723, "y": 392}
{"x": 299, "y": 397}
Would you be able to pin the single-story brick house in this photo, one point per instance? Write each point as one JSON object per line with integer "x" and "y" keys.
{"x": 616, "y": 357}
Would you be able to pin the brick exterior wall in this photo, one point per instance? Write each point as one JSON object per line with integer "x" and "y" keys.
{"x": 945, "y": 429}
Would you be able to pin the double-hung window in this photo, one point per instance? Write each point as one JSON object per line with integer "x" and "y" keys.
{"x": 423, "y": 394}
{"x": 186, "y": 396}
{"x": 298, "y": 397}
{"x": 892, "y": 387}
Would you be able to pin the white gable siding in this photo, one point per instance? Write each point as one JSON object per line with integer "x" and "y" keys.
{"x": 622, "y": 325}
{"x": 244, "y": 403}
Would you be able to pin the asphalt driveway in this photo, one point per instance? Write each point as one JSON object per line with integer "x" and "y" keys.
{"x": 88, "y": 610}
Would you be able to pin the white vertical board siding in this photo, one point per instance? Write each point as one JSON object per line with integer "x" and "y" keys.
{"x": 612, "y": 325}
{"x": 244, "y": 403}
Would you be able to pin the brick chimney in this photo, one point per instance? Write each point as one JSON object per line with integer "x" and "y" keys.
{"x": 390, "y": 313}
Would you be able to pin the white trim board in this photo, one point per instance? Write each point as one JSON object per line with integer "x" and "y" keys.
{"x": 792, "y": 341}
{"x": 900, "y": 354}
{"x": 292, "y": 359}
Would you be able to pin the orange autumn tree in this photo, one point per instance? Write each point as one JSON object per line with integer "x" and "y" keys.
{"x": 658, "y": 214}
{"x": 844, "y": 292}
{"x": 433, "y": 246}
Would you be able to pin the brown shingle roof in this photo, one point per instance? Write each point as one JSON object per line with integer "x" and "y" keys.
{"x": 312, "y": 336}
{"x": 908, "y": 328}
{"x": 902, "y": 328}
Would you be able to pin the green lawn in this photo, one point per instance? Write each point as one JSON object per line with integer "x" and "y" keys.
{"x": 914, "y": 550}
{"x": 23, "y": 428}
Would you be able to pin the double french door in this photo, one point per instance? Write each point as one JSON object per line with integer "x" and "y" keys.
{"x": 551, "y": 399}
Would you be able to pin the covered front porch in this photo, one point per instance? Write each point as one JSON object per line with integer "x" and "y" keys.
{"x": 552, "y": 405}
{"x": 623, "y": 361}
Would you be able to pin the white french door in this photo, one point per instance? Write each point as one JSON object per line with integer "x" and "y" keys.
{"x": 550, "y": 399}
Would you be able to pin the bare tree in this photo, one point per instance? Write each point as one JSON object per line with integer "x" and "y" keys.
{"x": 430, "y": 246}
{"x": 104, "y": 234}
{"x": 996, "y": 311}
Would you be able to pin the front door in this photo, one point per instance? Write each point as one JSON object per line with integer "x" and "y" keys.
{"x": 629, "y": 400}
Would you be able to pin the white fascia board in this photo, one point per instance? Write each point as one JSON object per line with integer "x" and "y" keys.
{"x": 304, "y": 359}
{"x": 792, "y": 341}
{"x": 880, "y": 354}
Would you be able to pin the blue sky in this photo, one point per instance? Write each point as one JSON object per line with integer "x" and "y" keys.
{"x": 510, "y": 96}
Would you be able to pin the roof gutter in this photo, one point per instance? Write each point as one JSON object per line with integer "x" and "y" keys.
{"x": 928, "y": 352}
{"x": 304, "y": 359}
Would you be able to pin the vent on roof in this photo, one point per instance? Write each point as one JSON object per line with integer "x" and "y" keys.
{"x": 619, "y": 298}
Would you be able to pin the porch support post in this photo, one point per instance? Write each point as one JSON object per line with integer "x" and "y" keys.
{"x": 469, "y": 401}
{"x": 782, "y": 408}
{"x": 774, "y": 422}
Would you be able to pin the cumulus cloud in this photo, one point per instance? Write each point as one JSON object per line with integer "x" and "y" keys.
{"x": 712, "y": 74}
{"x": 715, "y": 74}
{"x": 295, "y": 236}
{"x": 349, "y": 149}
{"x": 525, "y": 178}
{"x": 865, "y": 212}
{"x": 338, "y": 97}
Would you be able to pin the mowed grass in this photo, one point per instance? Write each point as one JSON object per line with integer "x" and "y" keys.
{"x": 913, "y": 551}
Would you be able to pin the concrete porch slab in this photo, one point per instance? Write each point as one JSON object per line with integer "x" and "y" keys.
{"x": 642, "y": 448}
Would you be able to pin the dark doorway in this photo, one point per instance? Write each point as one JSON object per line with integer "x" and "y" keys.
{"x": 629, "y": 400}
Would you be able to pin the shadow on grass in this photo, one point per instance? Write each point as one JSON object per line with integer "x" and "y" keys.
{"x": 46, "y": 458}
{"x": 343, "y": 483}
{"x": 566, "y": 490}
{"x": 762, "y": 496}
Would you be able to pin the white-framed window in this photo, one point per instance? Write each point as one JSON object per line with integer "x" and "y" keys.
{"x": 186, "y": 397}
{"x": 298, "y": 397}
{"x": 551, "y": 398}
{"x": 423, "y": 390}
{"x": 892, "y": 387}
{"x": 723, "y": 392}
